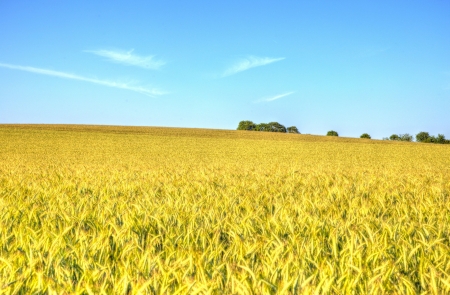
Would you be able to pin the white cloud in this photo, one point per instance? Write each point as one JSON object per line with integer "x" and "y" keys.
{"x": 274, "y": 97}
{"x": 127, "y": 58}
{"x": 144, "y": 90}
{"x": 248, "y": 63}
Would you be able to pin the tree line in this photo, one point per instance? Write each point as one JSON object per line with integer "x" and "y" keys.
{"x": 267, "y": 127}
{"x": 420, "y": 137}
{"x": 277, "y": 127}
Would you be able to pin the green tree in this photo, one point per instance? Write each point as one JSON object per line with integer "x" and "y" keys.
{"x": 365, "y": 135}
{"x": 423, "y": 137}
{"x": 292, "y": 129}
{"x": 277, "y": 127}
{"x": 246, "y": 125}
{"x": 394, "y": 137}
{"x": 405, "y": 137}
{"x": 440, "y": 138}
{"x": 426, "y": 137}
{"x": 401, "y": 137}
{"x": 332, "y": 133}
{"x": 266, "y": 127}
{"x": 262, "y": 127}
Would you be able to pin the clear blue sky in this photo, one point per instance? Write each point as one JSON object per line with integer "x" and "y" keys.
{"x": 380, "y": 67}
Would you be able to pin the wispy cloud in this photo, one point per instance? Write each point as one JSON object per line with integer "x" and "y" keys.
{"x": 268, "y": 99}
{"x": 144, "y": 90}
{"x": 248, "y": 63}
{"x": 128, "y": 58}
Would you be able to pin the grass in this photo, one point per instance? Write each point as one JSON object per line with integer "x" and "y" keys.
{"x": 138, "y": 210}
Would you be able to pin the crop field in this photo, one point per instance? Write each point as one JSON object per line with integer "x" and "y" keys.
{"x": 147, "y": 210}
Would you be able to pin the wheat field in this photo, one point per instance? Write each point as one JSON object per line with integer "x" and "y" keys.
{"x": 147, "y": 210}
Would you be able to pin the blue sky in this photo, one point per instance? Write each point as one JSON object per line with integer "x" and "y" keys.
{"x": 380, "y": 67}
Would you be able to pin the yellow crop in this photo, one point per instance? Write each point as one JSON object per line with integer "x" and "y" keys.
{"x": 135, "y": 210}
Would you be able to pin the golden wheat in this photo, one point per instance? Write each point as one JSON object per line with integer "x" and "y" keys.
{"x": 134, "y": 210}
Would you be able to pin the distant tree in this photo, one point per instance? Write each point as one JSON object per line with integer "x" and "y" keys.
{"x": 385, "y": 138}
{"x": 405, "y": 137}
{"x": 292, "y": 129}
{"x": 332, "y": 133}
{"x": 270, "y": 127}
{"x": 440, "y": 139}
{"x": 423, "y": 137}
{"x": 277, "y": 127}
{"x": 365, "y": 135}
{"x": 401, "y": 137}
{"x": 266, "y": 127}
{"x": 262, "y": 127}
{"x": 246, "y": 125}
{"x": 394, "y": 137}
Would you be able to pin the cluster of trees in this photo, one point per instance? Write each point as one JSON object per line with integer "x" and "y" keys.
{"x": 277, "y": 127}
{"x": 267, "y": 127}
{"x": 420, "y": 137}
{"x": 425, "y": 137}
{"x": 399, "y": 137}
